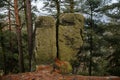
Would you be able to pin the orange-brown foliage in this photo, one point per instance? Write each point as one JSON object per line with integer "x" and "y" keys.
{"x": 46, "y": 75}
{"x": 60, "y": 63}
{"x": 61, "y": 66}
{"x": 44, "y": 67}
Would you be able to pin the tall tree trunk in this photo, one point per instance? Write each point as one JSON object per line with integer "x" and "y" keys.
{"x": 19, "y": 36}
{"x": 30, "y": 31}
{"x": 91, "y": 42}
{"x": 57, "y": 2}
{"x": 9, "y": 22}
{"x": 25, "y": 10}
{"x": 3, "y": 51}
{"x": 91, "y": 52}
{"x": 71, "y": 6}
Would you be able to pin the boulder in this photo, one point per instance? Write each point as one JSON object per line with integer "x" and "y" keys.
{"x": 70, "y": 35}
{"x": 45, "y": 42}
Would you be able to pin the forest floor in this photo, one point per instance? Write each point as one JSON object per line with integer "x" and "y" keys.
{"x": 44, "y": 73}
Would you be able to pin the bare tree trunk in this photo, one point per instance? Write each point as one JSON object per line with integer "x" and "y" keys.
{"x": 9, "y": 18}
{"x": 57, "y": 2}
{"x": 19, "y": 37}
{"x": 91, "y": 52}
{"x": 25, "y": 10}
{"x": 30, "y": 31}
{"x": 71, "y": 6}
{"x": 91, "y": 42}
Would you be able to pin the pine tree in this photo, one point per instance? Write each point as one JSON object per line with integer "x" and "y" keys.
{"x": 30, "y": 31}
{"x": 91, "y": 5}
{"x": 69, "y": 6}
{"x": 113, "y": 12}
{"x": 19, "y": 36}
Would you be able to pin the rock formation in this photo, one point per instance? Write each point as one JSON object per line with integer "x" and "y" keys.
{"x": 70, "y": 37}
{"x": 45, "y": 48}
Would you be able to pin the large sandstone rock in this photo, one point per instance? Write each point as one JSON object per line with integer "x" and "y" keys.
{"x": 70, "y": 35}
{"x": 45, "y": 48}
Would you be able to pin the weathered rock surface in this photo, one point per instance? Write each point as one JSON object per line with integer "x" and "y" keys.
{"x": 70, "y": 35}
{"x": 45, "y": 48}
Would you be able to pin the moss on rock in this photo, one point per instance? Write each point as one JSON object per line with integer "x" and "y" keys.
{"x": 45, "y": 48}
{"x": 70, "y": 35}
{"x": 45, "y": 22}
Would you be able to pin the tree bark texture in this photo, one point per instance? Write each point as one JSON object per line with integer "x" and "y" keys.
{"x": 19, "y": 36}
{"x": 9, "y": 24}
{"x": 57, "y": 27}
{"x": 91, "y": 41}
{"x": 30, "y": 31}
